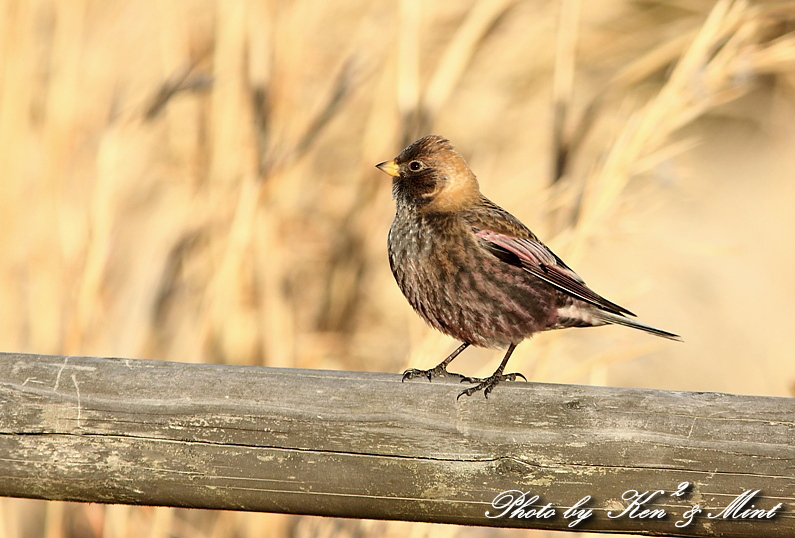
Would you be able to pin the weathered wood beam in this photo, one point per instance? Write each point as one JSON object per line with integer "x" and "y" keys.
{"x": 362, "y": 445}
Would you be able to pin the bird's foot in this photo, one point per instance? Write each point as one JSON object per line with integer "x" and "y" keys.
{"x": 487, "y": 384}
{"x": 439, "y": 371}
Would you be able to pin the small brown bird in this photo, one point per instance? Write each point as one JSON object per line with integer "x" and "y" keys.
{"x": 472, "y": 270}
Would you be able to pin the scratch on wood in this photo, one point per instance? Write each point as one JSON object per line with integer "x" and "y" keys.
{"x": 58, "y": 377}
{"x": 31, "y": 380}
{"x": 79, "y": 407}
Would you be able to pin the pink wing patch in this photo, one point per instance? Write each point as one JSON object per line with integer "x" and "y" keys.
{"x": 535, "y": 258}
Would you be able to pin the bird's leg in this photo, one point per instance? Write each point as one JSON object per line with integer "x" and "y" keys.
{"x": 488, "y": 384}
{"x": 441, "y": 368}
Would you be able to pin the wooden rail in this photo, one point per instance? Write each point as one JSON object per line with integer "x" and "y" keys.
{"x": 362, "y": 445}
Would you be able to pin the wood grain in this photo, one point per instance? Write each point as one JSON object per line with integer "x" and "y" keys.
{"x": 362, "y": 445}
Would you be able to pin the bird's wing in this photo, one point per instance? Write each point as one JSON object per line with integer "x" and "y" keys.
{"x": 535, "y": 258}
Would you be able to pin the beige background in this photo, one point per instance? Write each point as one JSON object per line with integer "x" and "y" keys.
{"x": 153, "y": 205}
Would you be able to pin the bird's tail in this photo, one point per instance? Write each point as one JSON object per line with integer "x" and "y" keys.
{"x": 609, "y": 317}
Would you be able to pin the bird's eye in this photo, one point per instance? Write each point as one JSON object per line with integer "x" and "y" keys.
{"x": 415, "y": 166}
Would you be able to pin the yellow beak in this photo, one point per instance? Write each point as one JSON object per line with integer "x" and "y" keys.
{"x": 390, "y": 167}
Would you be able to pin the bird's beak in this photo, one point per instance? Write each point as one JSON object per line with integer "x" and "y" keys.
{"x": 390, "y": 167}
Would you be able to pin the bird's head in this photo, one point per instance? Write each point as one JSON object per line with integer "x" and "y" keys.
{"x": 430, "y": 176}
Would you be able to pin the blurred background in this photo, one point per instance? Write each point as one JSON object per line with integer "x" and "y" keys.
{"x": 193, "y": 180}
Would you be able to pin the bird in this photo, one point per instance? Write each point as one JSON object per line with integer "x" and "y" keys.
{"x": 473, "y": 271}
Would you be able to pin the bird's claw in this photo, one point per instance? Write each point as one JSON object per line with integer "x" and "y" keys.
{"x": 487, "y": 384}
{"x": 412, "y": 373}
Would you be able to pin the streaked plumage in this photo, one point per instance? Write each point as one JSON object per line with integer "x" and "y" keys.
{"x": 474, "y": 271}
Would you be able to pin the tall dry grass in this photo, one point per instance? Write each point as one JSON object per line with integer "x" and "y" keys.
{"x": 194, "y": 181}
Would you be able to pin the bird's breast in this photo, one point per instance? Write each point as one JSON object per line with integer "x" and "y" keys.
{"x": 461, "y": 289}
